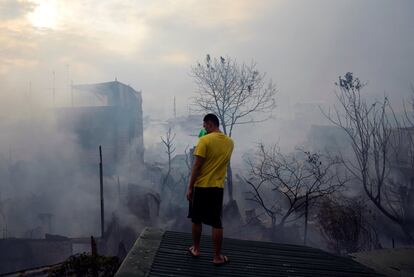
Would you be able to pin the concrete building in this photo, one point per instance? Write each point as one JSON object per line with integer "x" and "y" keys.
{"x": 107, "y": 114}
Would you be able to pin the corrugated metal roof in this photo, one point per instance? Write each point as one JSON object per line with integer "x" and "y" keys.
{"x": 247, "y": 258}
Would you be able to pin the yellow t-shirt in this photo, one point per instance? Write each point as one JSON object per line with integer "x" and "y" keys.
{"x": 216, "y": 148}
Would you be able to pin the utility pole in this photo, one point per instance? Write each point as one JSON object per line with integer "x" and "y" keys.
{"x": 101, "y": 190}
{"x": 10, "y": 164}
{"x": 306, "y": 219}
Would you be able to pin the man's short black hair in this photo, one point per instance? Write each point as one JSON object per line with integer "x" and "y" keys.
{"x": 212, "y": 118}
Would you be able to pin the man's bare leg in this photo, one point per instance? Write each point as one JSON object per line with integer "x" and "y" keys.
{"x": 196, "y": 232}
{"x": 217, "y": 242}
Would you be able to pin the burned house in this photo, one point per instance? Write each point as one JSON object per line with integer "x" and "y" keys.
{"x": 107, "y": 114}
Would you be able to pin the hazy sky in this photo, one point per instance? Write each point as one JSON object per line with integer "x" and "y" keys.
{"x": 151, "y": 44}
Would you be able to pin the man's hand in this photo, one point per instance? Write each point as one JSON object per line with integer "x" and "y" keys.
{"x": 190, "y": 194}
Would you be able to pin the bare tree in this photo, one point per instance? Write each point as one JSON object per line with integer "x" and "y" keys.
{"x": 185, "y": 177}
{"x": 285, "y": 186}
{"x": 234, "y": 92}
{"x": 168, "y": 142}
{"x": 375, "y": 134}
{"x": 189, "y": 159}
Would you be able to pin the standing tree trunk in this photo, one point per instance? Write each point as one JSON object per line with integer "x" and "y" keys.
{"x": 230, "y": 182}
{"x": 305, "y": 236}
{"x": 168, "y": 141}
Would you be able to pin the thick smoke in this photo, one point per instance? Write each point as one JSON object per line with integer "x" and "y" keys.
{"x": 46, "y": 186}
{"x": 302, "y": 46}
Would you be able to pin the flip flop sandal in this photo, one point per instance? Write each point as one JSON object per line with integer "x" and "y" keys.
{"x": 225, "y": 261}
{"x": 190, "y": 250}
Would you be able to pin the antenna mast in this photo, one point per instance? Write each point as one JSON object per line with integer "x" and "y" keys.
{"x": 175, "y": 109}
{"x": 53, "y": 89}
{"x": 71, "y": 92}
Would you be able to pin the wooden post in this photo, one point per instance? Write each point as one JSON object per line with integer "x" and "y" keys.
{"x": 94, "y": 249}
{"x": 306, "y": 219}
{"x": 101, "y": 188}
{"x": 94, "y": 254}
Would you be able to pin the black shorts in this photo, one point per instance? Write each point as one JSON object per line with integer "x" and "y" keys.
{"x": 206, "y": 207}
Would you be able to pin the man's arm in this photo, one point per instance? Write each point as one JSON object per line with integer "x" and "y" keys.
{"x": 195, "y": 172}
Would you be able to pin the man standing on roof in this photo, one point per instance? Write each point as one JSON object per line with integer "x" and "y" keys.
{"x": 206, "y": 188}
